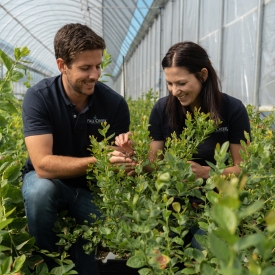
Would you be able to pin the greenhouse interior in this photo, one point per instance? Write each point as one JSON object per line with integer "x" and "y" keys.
{"x": 137, "y": 137}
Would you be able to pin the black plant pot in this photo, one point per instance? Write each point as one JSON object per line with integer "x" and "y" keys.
{"x": 113, "y": 267}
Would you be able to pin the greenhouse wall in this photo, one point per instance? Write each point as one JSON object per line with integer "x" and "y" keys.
{"x": 239, "y": 37}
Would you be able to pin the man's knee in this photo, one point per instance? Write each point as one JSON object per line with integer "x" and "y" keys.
{"x": 38, "y": 191}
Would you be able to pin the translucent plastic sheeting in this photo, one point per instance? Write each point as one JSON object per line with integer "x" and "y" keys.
{"x": 239, "y": 37}
{"x": 34, "y": 24}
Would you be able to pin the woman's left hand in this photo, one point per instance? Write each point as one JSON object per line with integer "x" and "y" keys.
{"x": 199, "y": 170}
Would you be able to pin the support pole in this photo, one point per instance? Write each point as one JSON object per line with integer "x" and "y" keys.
{"x": 220, "y": 46}
{"x": 258, "y": 54}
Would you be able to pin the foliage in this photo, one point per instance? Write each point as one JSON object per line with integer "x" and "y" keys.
{"x": 107, "y": 59}
{"x": 147, "y": 217}
{"x": 16, "y": 245}
{"x": 141, "y": 106}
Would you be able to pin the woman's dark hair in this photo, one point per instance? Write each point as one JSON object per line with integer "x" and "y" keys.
{"x": 74, "y": 38}
{"x": 194, "y": 58}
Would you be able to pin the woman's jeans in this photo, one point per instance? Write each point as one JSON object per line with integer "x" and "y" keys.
{"x": 44, "y": 199}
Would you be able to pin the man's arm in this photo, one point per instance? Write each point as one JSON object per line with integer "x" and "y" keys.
{"x": 52, "y": 166}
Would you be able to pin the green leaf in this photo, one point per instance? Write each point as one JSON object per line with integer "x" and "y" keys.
{"x": 21, "y": 67}
{"x": 6, "y": 59}
{"x": 212, "y": 196}
{"x": 4, "y": 223}
{"x": 188, "y": 271}
{"x": 41, "y": 269}
{"x": 226, "y": 235}
{"x": 251, "y": 209}
{"x": 18, "y": 263}
{"x": 105, "y": 230}
{"x": 143, "y": 229}
{"x": 176, "y": 206}
{"x": 13, "y": 193}
{"x": 7, "y": 87}
{"x": 145, "y": 271}
{"x": 225, "y": 217}
{"x": 3, "y": 121}
{"x": 12, "y": 173}
{"x": 35, "y": 261}
{"x": 17, "y": 53}
{"x": 8, "y": 107}
{"x": 5, "y": 266}
{"x": 16, "y": 75}
{"x": 25, "y": 51}
{"x": 198, "y": 255}
{"x": 137, "y": 261}
{"x": 23, "y": 239}
{"x": 219, "y": 248}
{"x": 19, "y": 223}
{"x": 249, "y": 241}
{"x": 207, "y": 269}
{"x": 4, "y": 248}
{"x": 270, "y": 270}
{"x": 19, "y": 247}
{"x": 270, "y": 221}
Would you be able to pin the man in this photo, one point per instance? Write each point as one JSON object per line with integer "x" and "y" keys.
{"x": 59, "y": 116}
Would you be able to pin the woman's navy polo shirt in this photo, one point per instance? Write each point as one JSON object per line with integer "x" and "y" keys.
{"x": 47, "y": 110}
{"x": 235, "y": 122}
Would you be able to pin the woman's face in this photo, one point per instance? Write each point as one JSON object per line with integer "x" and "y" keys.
{"x": 184, "y": 85}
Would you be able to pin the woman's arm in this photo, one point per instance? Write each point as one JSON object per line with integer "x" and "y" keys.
{"x": 203, "y": 171}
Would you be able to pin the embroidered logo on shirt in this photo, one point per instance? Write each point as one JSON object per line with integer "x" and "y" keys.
{"x": 222, "y": 129}
{"x": 96, "y": 120}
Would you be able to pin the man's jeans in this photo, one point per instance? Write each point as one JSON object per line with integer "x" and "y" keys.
{"x": 43, "y": 199}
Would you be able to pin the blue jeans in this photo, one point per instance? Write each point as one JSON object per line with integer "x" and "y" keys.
{"x": 43, "y": 199}
{"x": 194, "y": 242}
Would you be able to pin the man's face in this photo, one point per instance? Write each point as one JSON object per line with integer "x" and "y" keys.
{"x": 80, "y": 78}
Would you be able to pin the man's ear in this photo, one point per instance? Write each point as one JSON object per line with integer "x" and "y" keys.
{"x": 61, "y": 65}
{"x": 204, "y": 74}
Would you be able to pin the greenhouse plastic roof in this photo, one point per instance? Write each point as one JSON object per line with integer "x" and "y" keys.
{"x": 33, "y": 23}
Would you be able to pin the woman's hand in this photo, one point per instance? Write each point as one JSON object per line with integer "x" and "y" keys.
{"x": 123, "y": 141}
{"x": 199, "y": 170}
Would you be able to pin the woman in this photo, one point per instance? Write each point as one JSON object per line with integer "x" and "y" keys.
{"x": 193, "y": 83}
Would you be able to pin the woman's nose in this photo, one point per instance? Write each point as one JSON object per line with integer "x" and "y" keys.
{"x": 175, "y": 90}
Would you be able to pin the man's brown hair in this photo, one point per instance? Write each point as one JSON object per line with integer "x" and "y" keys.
{"x": 75, "y": 38}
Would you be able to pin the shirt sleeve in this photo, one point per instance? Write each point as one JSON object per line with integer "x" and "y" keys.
{"x": 239, "y": 124}
{"x": 155, "y": 123}
{"x": 34, "y": 114}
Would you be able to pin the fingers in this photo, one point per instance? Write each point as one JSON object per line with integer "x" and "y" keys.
{"x": 122, "y": 139}
{"x": 118, "y": 157}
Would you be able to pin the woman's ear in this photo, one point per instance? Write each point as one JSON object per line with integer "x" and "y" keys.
{"x": 204, "y": 74}
{"x": 61, "y": 65}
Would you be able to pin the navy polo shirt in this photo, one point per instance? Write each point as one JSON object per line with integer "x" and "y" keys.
{"x": 235, "y": 122}
{"x": 47, "y": 110}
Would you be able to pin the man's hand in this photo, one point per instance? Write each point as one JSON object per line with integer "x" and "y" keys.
{"x": 119, "y": 158}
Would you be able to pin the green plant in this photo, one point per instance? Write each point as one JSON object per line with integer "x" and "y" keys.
{"x": 147, "y": 216}
{"x": 16, "y": 245}
{"x": 107, "y": 59}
